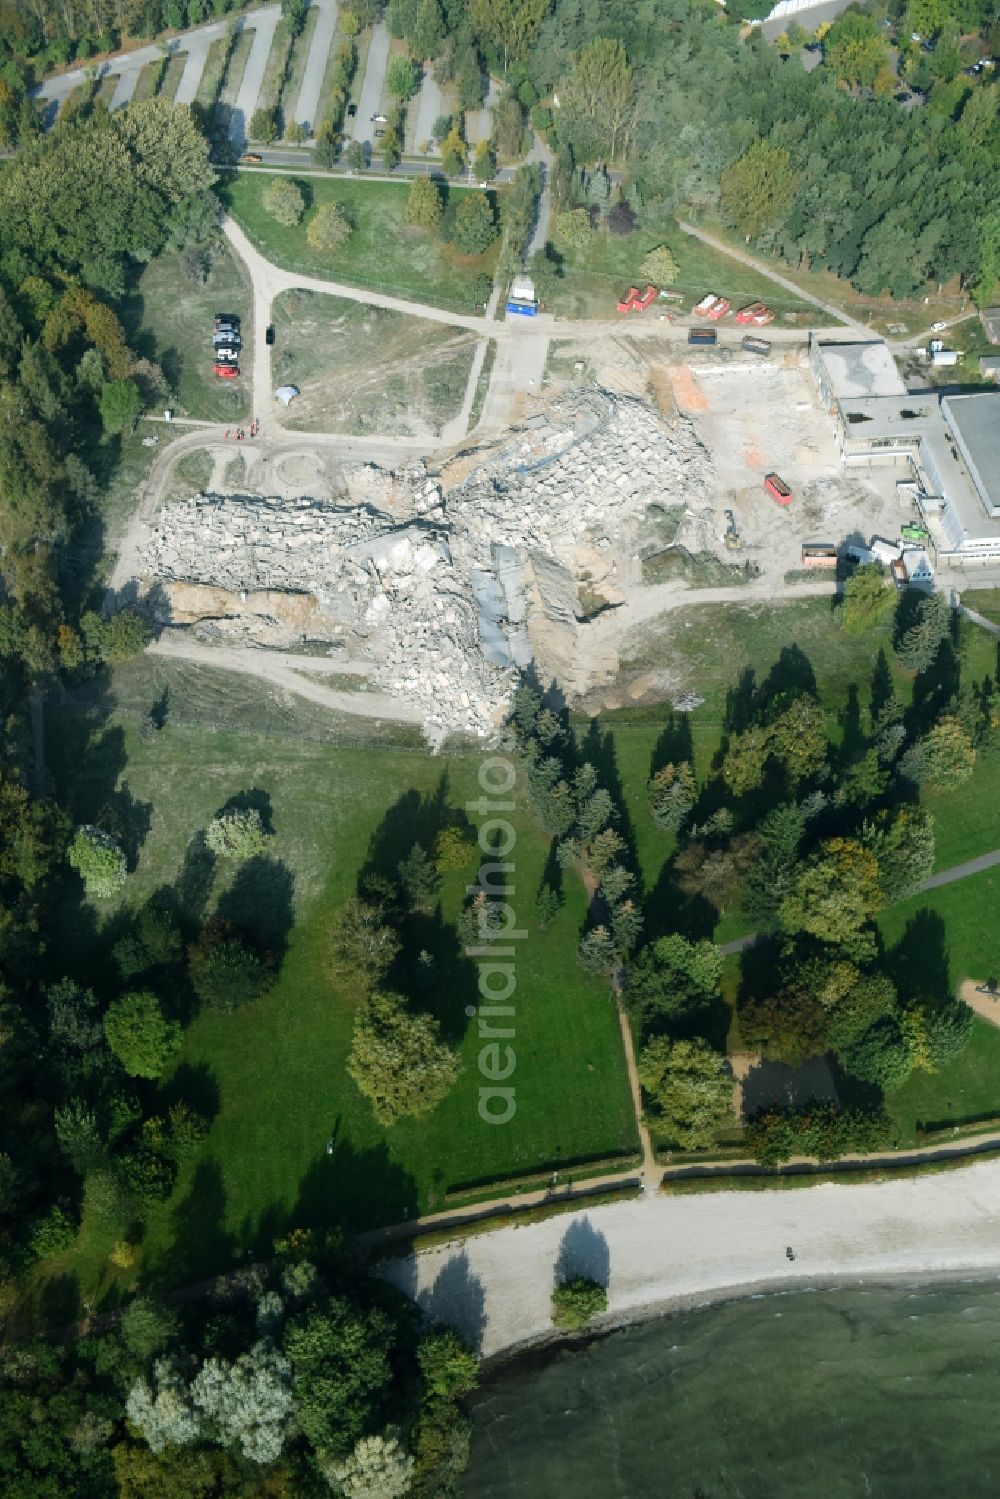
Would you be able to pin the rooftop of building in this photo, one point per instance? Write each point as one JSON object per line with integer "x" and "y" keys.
{"x": 920, "y": 419}
{"x": 975, "y": 418}
{"x": 861, "y": 369}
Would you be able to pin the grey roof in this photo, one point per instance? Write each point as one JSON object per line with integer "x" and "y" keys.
{"x": 990, "y": 319}
{"x": 975, "y": 421}
{"x": 861, "y": 369}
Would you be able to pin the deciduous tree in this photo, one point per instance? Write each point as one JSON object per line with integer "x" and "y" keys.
{"x": 328, "y": 229}
{"x": 757, "y": 189}
{"x": 282, "y": 199}
{"x": 398, "y": 1060}
{"x": 423, "y": 203}
{"x": 691, "y": 1089}
{"x": 140, "y": 1035}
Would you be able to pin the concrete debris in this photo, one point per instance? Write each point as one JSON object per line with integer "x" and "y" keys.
{"x": 687, "y": 702}
{"x": 445, "y": 597}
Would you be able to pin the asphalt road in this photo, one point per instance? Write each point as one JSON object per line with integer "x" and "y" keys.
{"x": 430, "y": 104}
{"x": 808, "y": 19}
{"x": 371, "y": 88}
{"x": 307, "y": 104}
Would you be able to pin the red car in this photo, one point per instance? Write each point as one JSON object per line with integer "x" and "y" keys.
{"x": 756, "y": 313}
{"x": 226, "y": 371}
{"x": 639, "y": 304}
{"x": 626, "y": 302}
{"x": 777, "y": 489}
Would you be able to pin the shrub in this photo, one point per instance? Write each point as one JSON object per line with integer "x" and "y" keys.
{"x": 98, "y": 861}
{"x": 328, "y": 229}
{"x": 423, "y": 205}
{"x": 225, "y": 972}
{"x": 283, "y": 200}
{"x": 140, "y": 1035}
{"x": 659, "y": 266}
{"x": 452, "y": 850}
{"x": 238, "y": 834}
{"x": 576, "y": 1301}
{"x": 473, "y": 225}
{"x": 52, "y": 1233}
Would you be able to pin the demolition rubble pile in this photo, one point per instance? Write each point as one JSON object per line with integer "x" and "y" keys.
{"x": 443, "y": 598}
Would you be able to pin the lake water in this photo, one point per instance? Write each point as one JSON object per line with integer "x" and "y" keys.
{"x": 892, "y": 1393}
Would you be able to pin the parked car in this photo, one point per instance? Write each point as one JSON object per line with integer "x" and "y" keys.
{"x": 226, "y": 320}
{"x": 251, "y": 156}
{"x": 938, "y": 327}
{"x": 269, "y": 334}
{"x": 226, "y": 340}
{"x": 625, "y": 301}
{"x": 226, "y": 371}
{"x": 227, "y": 356}
{"x": 352, "y": 110}
{"x": 379, "y": 134}
{"x": 777, "y": 489}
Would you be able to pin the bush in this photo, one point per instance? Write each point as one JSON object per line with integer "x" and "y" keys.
{"x": 659, "y": 266}
{"x": 576, "y": 1301}
{"x": 116, "y": 638}
{"x": 225, "y": 972}
{"x": 328, "y": 229}
{"x": 120, "y": 405}
{"x": 98, "y": 861}
{"x": 452, "y": 850}
{"x": 237, "y": 834}
{"x": 423, "y": 205}
{"x": 140, "y": 1035}
{"x": 283, "y": 200}
{"x": 264, "y": 126}
{"x": 51, "y": 1234}
{"x": 572, "y": 230}
{"x": 473, "y": 226}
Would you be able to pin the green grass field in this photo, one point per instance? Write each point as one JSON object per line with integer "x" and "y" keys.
{"x": 985, "y": 601}
{"x": 384, "y": 252}
{"x": 950, "y": 934}
{"x": 594, "y": 278}
{"x": 272, "y": 1077}
{"x": 168, "y": 319}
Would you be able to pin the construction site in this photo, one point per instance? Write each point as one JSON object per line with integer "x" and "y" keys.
{"x": 628, "y": 484}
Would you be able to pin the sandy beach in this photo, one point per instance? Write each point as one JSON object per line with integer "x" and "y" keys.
{"x": 660, "y": 1251}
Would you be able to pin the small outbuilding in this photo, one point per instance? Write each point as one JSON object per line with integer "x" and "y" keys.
{"x": 990, "y": 319}
{"x": 286, "y": 394}
{"x": 989, "y": 366}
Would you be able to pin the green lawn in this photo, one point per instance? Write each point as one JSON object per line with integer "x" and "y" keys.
{"x": 595, "y": 277}
{"x": 985, "y": 601}
{"x": 950, "y": 934}
{"x": 384, "y": 252}
{"x": 169, "y": 319}
{"x": 272, "y": 1077}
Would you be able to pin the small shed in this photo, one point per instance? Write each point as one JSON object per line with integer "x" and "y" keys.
{"x": 990, "y": 319}
{"x": 989, "y": 366}
{"x": 286, "y": 394}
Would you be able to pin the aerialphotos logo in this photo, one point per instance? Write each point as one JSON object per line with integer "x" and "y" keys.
{"x": 495, "y": 951}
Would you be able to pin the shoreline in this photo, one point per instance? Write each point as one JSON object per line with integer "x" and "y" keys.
{"x": 663, "y": 1254}
{"x": 538, "y": 1350}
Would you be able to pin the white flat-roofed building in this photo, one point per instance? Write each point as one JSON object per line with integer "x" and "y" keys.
{"x": 951, "y": 444}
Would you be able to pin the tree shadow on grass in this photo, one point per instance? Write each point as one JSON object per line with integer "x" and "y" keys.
{"x": 200, "y": 1244}
{"x": 599, "y": 750}
{"x": 667, "y": 908}
{"x": 447, "y": 985}
{"x": 918, "y": 963}
{"x": 189, "y": 894}
{"x": 195, "y": 1086}
{"x": 674, "y": 744}
{"x": 353, "y": 1188}
{"x": 260, "y": 902}
{"x": 411, "y": 819}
